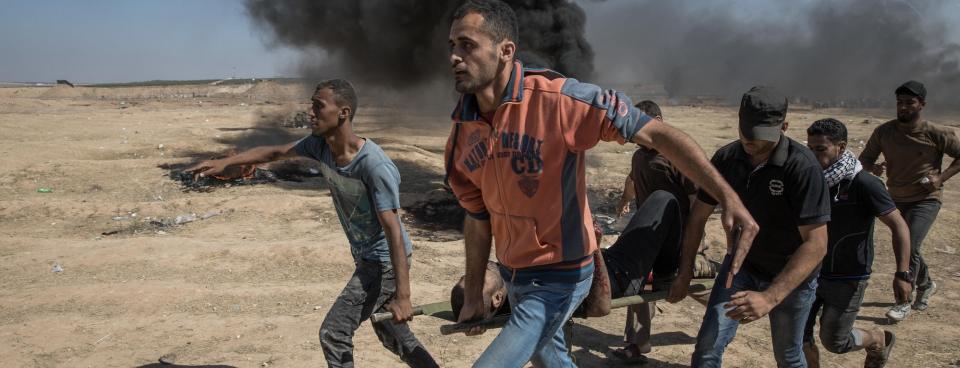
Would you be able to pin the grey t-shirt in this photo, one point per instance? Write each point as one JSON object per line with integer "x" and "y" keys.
{"x": 367, "y": 185}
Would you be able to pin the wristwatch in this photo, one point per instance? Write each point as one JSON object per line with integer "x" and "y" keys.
{"x": 903, "y": 275}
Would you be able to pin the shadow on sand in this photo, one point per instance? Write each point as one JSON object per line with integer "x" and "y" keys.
{"x": 587, "y": 341}
{"x": 160, "y": 365}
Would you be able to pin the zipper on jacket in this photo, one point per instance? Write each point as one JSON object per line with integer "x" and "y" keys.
{"x": 496, "y": 169}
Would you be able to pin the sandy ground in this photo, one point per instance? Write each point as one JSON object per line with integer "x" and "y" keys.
{"x": 250, "y": 286}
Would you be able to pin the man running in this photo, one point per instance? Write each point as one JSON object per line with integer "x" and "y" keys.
{"x": 913, "y": 149}
{"x": 782, "y": 185}
{"x": 515, "y": 161}
{"x": 365, "y": 186}
{"x": 857, "y": 198}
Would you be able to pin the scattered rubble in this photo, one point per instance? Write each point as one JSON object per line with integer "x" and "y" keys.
{"x": 299, "y": 120}
{"x": 438, "y": 218}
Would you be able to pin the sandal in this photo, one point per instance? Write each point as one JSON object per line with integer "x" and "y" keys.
{"x": 630, "y": 355}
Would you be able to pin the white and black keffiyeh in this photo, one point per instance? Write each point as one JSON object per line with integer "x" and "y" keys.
{"x": 846, "y": 167}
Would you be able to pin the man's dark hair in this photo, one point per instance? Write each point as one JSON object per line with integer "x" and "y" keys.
{"x": 499, "y": 20}
{"x": 650, "y": 108}
{"x": 832, "y": 128}
{"x": 343, "y": 93}
{"x": 456, "y": 293}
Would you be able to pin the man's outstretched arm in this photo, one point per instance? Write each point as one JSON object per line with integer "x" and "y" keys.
{"x": 684, "y": 153}
{"x": 256, "y": 155}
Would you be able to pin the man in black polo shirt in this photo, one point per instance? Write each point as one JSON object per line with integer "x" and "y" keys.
{"x": 782, "y": 185}
{"x": 857, "y": 199}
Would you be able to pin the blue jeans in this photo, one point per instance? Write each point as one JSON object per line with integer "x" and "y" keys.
{"x": 787, "y": 320}
{"x": 540, "y": 303}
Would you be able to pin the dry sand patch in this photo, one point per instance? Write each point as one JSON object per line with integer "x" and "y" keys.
{"x": 252, "y": 284}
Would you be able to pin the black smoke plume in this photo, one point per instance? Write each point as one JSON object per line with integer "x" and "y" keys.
{"x": 403, "y": 43}
{"x": 847, "y": 50}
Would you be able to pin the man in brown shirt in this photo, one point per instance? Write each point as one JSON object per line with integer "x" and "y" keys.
{"x": 650, "y": 172}
{"x": 913, "y": 150}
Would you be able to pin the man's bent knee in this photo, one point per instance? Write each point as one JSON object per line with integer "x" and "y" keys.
{"x": 836, "y": 344}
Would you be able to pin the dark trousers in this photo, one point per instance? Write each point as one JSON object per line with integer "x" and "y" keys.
{"x": 920, "y": 216}
{"x": 651, "y": 241}
{"x": 371, "y": 287}
{"x": 840, "y": 301}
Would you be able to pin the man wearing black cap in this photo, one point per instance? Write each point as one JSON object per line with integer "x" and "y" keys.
{"x": 913, "y": 150}
{"x": 782, "y": 185}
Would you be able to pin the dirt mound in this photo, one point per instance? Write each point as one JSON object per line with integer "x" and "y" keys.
{"x": 22, "y": 92}
{"x": 273, "y": 91}
{"x": 65, "y": 91}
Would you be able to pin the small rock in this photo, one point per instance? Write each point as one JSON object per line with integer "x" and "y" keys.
{"x": 168, "y": 359}
{"x": 183, "y": 219}
{"x": 57, "y": 268}
{"x": 947, "y": 249}
{"x": 316, "y": 307}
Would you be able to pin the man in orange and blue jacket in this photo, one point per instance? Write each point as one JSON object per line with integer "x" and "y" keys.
{"x": 515, "y": 161}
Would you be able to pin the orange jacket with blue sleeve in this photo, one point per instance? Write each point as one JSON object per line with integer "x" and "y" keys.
{"x": 524, "y": 169}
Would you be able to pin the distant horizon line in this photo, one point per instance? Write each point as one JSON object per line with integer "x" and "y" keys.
{"x": 148, "y": 82}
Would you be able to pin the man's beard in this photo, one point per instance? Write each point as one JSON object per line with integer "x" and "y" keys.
{"x": 474, "y": 85}
{"x": 484, "y": 78}
{"x": 906, "y": 118}
{"x": 471, "y": 86}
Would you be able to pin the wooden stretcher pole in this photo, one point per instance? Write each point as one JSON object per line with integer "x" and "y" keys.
{"x": 499, "y": 321}
{"x": 426, "y": 309}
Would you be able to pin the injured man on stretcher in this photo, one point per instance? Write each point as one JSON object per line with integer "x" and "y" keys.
{"x": 650, "y": 242}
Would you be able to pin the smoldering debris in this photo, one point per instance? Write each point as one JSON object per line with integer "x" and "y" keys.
{"x": 299, "y": 120}
{"x": 189, "y": 182}
{"x": 293, "y": 170}
{"x": 438, "y": 217}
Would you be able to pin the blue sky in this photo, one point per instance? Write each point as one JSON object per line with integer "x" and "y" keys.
{"x": 97, "y": 41}
{"x": 116, "y": 41}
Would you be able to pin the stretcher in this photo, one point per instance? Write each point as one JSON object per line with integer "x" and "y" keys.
{"x": 443, "y": 310}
